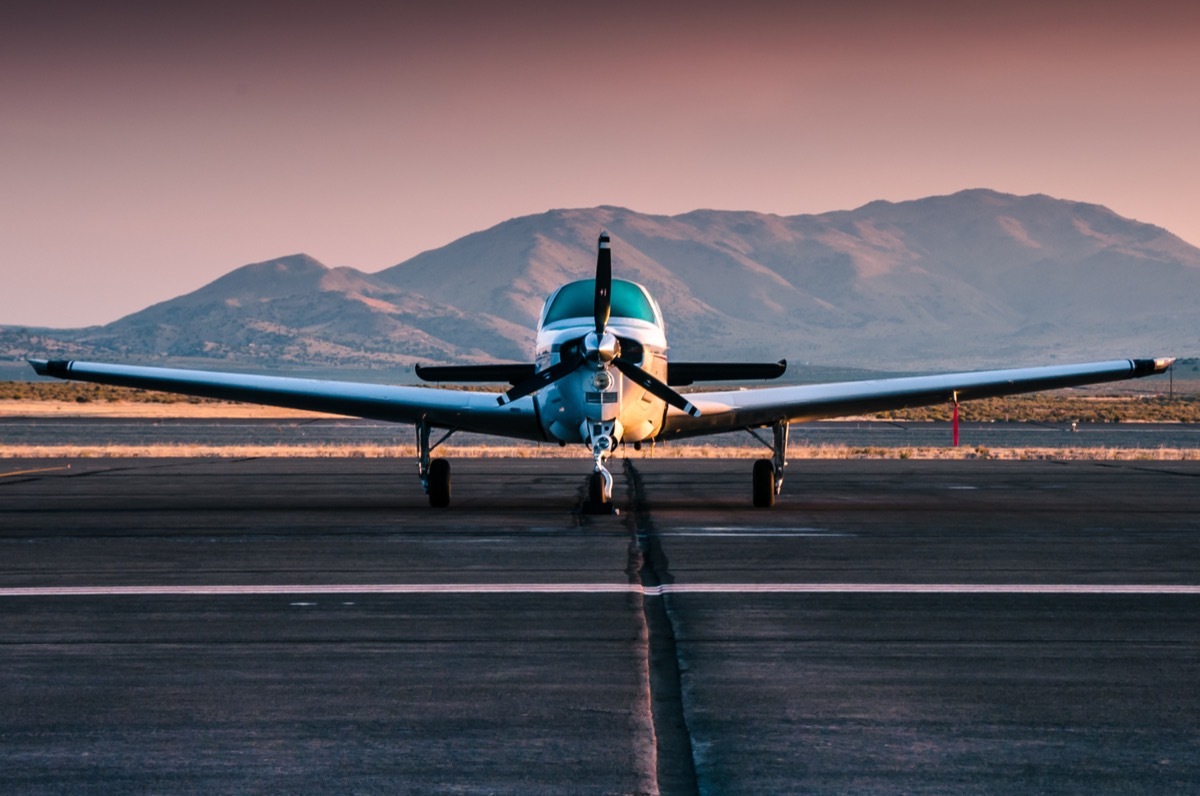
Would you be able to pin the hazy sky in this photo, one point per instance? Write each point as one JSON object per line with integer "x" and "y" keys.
{"x": 147, "y": 148}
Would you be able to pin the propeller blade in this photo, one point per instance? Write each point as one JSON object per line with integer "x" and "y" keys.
{"x": 603, "y": 284}
{"x": 540, "y": 379}
{"x": 656, "y": 387}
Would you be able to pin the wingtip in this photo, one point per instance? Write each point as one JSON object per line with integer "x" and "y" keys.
{"x": 50, "y": 367}
{"x": 1149, "y": 367}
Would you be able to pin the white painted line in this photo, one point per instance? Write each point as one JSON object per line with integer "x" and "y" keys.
{"x": 752, "y": 535}
{"x": 602, "y": 588}
{"x": 750, "y": 529}
{"x": 733, "y": 530}
{"x": 328, "y": 588}
{"x": 925, "y": 588}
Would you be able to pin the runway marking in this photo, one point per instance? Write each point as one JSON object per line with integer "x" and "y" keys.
{"x": 734, "y": 530}
{"x": 601, "y": 588}
{"x": 31, "y": 472}
{"x": 924, "y": 588}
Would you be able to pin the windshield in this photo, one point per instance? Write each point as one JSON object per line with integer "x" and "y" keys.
{"x": 578, "y": 300}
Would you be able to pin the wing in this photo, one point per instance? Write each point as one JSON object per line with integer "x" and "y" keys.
{"x": 491, "y": 374}
{"x": 737, "y": 409}
{"x": 466, "y": 411}
{"x": 681, "y": 374}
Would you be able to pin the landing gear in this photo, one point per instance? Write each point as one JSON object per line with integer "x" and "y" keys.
{"x": 768, "y": 473}
{"x": 596, "y": 494}
{"x": 764, "y": 484}
{"x": 599, "y": 499}
{"x": 439, "y": 483}
{"x": 601, "y": 434}
{"x": 435, "y": 473}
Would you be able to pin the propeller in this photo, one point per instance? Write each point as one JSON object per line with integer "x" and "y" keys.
{"x": 656, "y": 387}
{"x": 603, "y": 284}
{"x": 537, "y": 381}
{"x": 599, "y": 348}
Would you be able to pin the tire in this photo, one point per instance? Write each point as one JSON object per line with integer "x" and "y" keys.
{"x": 439, "y": 483}
{"x": 596, "y": 489}
{"x": 764, "y": 484}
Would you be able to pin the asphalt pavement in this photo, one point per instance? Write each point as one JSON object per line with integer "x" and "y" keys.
{"x": 311, "y": 625}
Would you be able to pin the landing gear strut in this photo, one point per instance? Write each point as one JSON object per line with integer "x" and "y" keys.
{"x": 768, "y": 473}
{"x": 435, "y": 473}
{"x": 600, "y": 483}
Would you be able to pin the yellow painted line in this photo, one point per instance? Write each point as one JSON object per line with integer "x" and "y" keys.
{"x": 31, "y": 472}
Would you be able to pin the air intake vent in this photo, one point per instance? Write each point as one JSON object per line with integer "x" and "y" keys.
{"x": 601, "y": 397}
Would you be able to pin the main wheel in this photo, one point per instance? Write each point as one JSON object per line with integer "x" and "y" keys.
{"x": 439, "y": 483}
{"x": 764, "y": 484}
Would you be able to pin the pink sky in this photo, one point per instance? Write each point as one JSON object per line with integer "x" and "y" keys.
{"x": 146, "y": 149}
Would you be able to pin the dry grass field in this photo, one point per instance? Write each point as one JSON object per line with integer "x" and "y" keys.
{"x": 676, "y": 451}
{"x": 150, "y": 411}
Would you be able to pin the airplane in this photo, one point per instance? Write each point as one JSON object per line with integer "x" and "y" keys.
{"x": 601, "y": 377}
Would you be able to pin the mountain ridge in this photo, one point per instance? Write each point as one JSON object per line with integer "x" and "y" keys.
{"x": 975, "y": 278}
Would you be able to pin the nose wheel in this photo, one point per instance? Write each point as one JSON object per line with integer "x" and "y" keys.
{"x": 599, "y": 499}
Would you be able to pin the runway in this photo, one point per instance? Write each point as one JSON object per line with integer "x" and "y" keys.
{"x": 311, "y": 625}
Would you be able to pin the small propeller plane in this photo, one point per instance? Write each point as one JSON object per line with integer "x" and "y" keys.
{"x": 601, "y": 378}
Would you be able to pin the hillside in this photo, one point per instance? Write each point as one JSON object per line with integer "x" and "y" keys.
{"x": 976, "y": 279}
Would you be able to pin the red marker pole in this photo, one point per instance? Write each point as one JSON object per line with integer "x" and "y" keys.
{"x": 955, "y": 421}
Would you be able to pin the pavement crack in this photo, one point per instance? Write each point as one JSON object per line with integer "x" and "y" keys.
{"x": 1146, "y": 468}
{"x": 675, "y": 765}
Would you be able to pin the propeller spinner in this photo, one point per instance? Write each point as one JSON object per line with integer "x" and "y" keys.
{"x": 600, "y": 349}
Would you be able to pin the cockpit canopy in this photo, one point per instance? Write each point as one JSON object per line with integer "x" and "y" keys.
{"x": 578, "y": 300}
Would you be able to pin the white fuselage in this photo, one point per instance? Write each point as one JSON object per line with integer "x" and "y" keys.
{"x": 598, "y": 393}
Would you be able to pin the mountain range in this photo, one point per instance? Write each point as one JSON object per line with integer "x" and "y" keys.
{"x": 974, "y": 279}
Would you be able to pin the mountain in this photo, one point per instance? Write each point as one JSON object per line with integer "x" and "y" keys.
{"x": 296, "y": 311}
{"x": 975, "y": 279}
